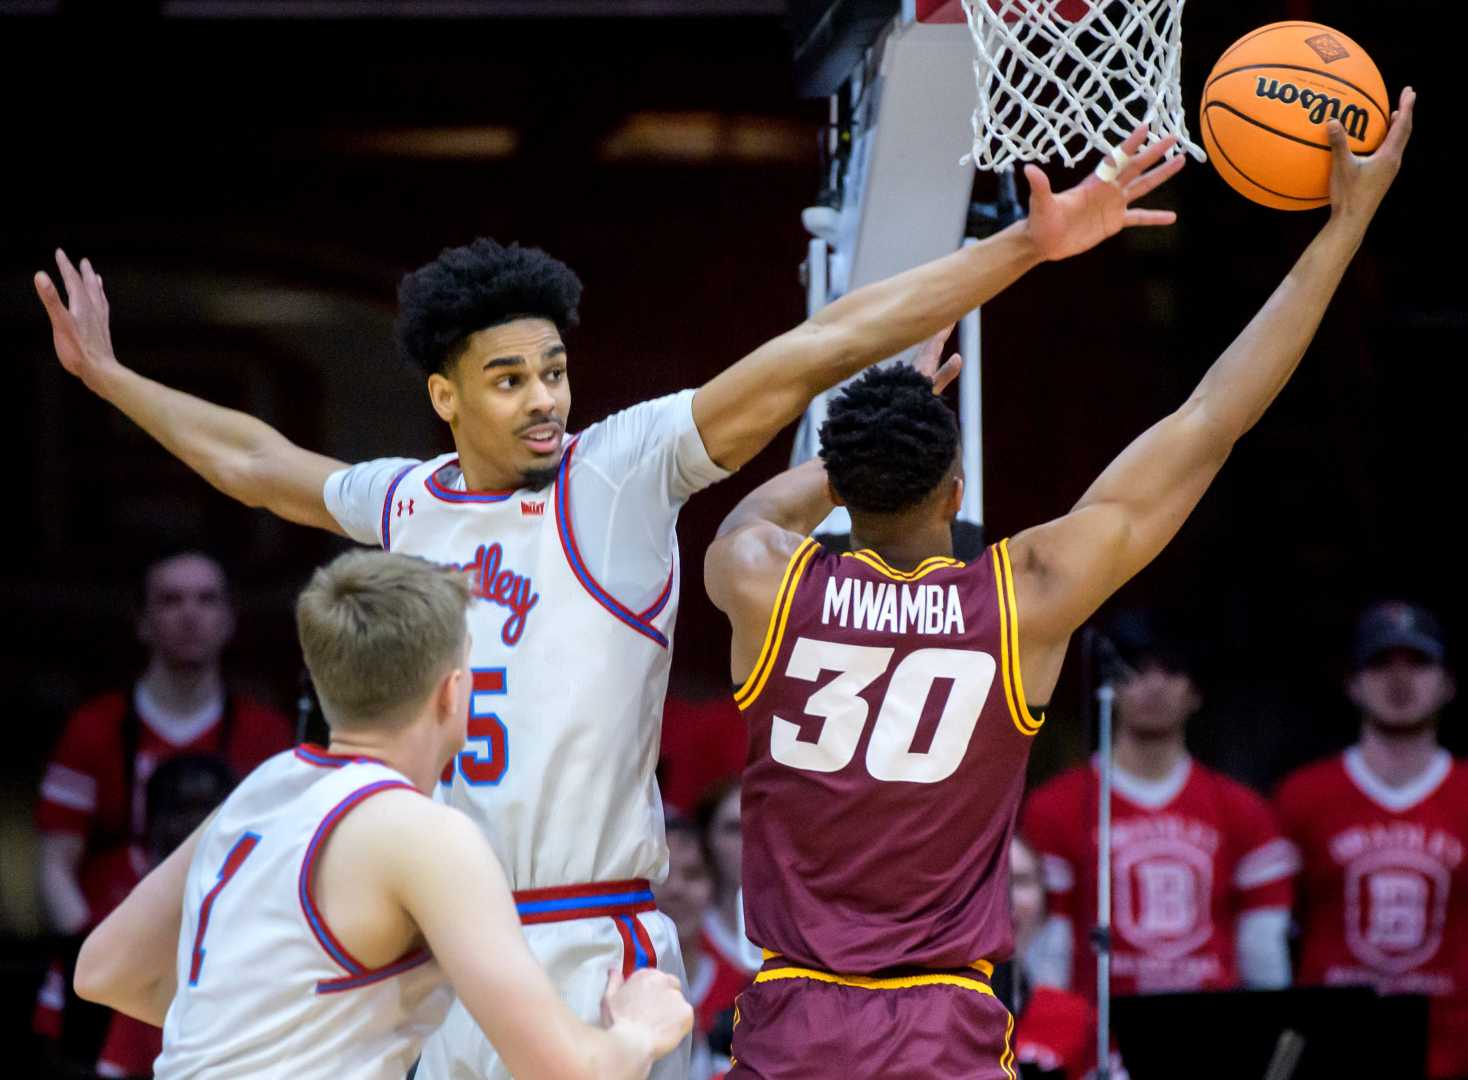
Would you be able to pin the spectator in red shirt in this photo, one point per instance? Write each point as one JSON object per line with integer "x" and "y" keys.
{"x": 1201, "y": 873}
{"x": 685, "y": 897}
{"x": 1382, "y": 831}
{"x": 91, "y": 812}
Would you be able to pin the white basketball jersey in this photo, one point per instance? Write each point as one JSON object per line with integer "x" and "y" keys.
{"x": 568, "y": 681}
{"x": 264, "y": 987}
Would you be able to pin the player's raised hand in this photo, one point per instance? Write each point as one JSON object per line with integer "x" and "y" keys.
{"x": 927, "y": 361}
{"x": 1079, "y": 218}
{"x": 650, "y": 1002}
{"x": 1358, "y": 182}
{"x": 79, "y": 325}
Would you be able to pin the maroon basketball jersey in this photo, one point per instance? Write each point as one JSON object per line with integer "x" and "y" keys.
{"x": 888, "y": 741}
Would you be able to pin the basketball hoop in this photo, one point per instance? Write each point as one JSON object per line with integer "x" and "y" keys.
{"x": 1067, "y": 78}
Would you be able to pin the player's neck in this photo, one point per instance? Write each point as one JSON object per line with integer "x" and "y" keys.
{"x": 1398, "y": 758}
{"x": 901, "y": 543}
{"x": 1149, "y": 758}
{"x": 409, "y": 750}
{"x": 181, "y": 691}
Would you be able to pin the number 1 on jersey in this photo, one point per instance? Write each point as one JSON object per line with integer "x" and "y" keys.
{"x": 232, "y": 863}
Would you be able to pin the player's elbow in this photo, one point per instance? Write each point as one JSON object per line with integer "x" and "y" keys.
{"x": 98, "y": 970}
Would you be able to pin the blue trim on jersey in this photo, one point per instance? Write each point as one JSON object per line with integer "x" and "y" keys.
{"x": 538, "y": 907}
{"x": 573, "y": 557}
{"x": 387, "y": 507}
{"x": 354, "y": 982}
{"x": 323, "y": 934}
{"x": 450, "y": 495}
{"x": 639, "y": 956}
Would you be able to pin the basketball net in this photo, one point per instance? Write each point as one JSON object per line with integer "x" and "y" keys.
{"x": 1065, "y": 78}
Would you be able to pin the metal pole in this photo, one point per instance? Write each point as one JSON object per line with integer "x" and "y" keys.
{"x": 971, "y": 415}
{"x": 1101, "y": 939}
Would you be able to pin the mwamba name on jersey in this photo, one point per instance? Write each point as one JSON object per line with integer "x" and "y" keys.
{"x": 896, "y": 609}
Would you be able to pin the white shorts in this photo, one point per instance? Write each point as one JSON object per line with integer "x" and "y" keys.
{"x": 577, "y": 955}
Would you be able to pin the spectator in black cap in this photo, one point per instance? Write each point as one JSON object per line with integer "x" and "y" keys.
{"x": 1200, "y": 872}
{"x": 1382, "y": 831}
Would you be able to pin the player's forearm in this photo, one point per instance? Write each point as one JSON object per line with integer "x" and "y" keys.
{"x": 1255, "y": 368}
{"x": 219, "y": 444}
{"x": 127, "y": 962}
{"x": 886, "y": 317}
{"x": 797, "y": 500}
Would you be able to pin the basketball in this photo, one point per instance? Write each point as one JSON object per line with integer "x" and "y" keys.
{"x": 1266, "y": 103}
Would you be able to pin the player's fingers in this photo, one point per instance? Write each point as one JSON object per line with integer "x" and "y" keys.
{"x": 1149, "y": 181}
{"x": 947, "y": 373}
{"x": 1039, "y": 182}
{"x": 1401, "y": 126}
{"x": 1149, "y": 217}
{"x": 50, "y": 298}
{"x": 1133, "y": 142}
{"x": 1144, "y": 160}
{"x": 69, "y": 275}
{"x": 932, "y": 349}
{"x": 615, "y": 980}
{"x": 1340, "y": 147}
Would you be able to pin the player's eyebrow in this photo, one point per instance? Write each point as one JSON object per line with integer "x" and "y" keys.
{"x": 558, "y": 349}
{"x": 504, "y": 361}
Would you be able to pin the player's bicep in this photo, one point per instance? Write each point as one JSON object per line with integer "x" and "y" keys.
{"x": 289, "y": 481}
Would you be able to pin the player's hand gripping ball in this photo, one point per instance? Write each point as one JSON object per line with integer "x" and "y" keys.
{"x": 1266, "y": 104}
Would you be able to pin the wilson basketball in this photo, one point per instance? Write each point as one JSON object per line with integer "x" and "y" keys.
{"x": 1266, "y": 103}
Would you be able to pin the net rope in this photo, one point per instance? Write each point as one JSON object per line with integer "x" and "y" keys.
{"x": 1052, "y": 86}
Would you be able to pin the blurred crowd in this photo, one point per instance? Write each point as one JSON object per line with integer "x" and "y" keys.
{"x": 1350, "y": 872}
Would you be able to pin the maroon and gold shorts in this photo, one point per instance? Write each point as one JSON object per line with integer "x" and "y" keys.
{"x": 798, "y": 1023}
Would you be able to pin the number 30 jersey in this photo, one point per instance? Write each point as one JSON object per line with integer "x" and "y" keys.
{"x": 888, "y": 743}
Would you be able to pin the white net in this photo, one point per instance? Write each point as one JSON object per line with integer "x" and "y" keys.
{"x": 1065, "y": 78}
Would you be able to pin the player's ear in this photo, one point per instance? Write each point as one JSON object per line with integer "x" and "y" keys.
{"x": 444, "y": 396}
{"x": 955, "y": 498}
{"x": 836, "y": 498}
{"x": 1354, "y": 691}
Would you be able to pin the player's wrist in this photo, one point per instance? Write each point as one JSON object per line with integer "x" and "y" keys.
{"x": 635, "y": 1044}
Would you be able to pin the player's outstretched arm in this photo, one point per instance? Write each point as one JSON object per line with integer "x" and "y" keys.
{"x": 446, "y": 877}
{"x": 243, "y": 457}
{"x": 129, "y": 962}
{"x": 744, "y": 565}
{"x": 1066, "y": 569}
{"x": 742, "y": 408}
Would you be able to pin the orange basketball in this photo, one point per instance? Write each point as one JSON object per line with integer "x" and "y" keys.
{"x": 1266, "y": 102}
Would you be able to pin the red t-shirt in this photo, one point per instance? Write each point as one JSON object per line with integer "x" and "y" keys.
{"x": 82, "y": 792}
{"x": 130, "y": 1048}
{"x": 1190, "y": 854}
{"x": 704, "y": 742}
{"x": 1056, "y": 1031}
{"x": 722, "y": 978}
{"x": 1383, "y": 895}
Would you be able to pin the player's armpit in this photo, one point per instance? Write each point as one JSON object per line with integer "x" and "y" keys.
{"x": 742, "y": 571}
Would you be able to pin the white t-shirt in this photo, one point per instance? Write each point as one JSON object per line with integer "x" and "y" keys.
{"x": 633, "y": 471}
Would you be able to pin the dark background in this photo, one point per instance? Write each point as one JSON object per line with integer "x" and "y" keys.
{"x": 252, "y": 189}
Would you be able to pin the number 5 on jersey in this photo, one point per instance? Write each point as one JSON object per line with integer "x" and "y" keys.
{"x": 486, "y": 758}
{"x": 890, "y": 754}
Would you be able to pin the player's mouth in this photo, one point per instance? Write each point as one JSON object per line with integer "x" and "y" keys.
{"x": 542, "y": 439}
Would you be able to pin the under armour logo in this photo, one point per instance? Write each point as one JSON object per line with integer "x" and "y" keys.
{"x": 400, "y": 508}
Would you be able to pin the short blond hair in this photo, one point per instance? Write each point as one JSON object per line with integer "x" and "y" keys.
{"x": 378, "y": 631}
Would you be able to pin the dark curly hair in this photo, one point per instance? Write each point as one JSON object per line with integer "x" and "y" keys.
{"x": 479, "y": 285}
{"x": 888, "y": 440}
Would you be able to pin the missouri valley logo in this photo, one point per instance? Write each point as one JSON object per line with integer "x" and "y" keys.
{"x": 532, "y": 509}
{"x": 1319, "y": 105}
{"x": 1327, "y": 48}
